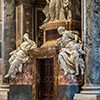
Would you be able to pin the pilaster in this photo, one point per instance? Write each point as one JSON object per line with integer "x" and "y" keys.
{"x": 91, "y": 89}
{"x": 8, "y": 33}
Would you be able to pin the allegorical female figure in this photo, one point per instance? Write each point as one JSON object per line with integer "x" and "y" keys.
{"x": 20, "y": 56}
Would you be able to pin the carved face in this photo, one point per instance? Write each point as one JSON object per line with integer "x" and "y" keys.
{"x": 26, "y": 37}
{"x": 61, "y": 30}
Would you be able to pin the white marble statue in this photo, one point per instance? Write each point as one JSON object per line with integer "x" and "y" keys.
{"x": 57, "y": 10}
{"x": 52, "y": 10}
{"x": 67, "y": 5}
{"x": 69, "y": 56}
{"x": 75, "y": 58}
{"x": 67, "y": 37}
{"x": 20, "y": 56}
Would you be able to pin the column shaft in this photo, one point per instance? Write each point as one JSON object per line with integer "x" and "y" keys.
{"x": 8, "y": 33}
{"x": 93, "y": 43}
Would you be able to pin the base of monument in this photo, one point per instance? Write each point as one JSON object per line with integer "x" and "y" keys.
{"x": 66, "y": 92}
{"x": 83, "y": 96}
{"x": 91, "y": 89}
{"x": 4, "y": 92}
{"x": 88, "y": 93}
{"x": 68, "y": 24}
{"x": 20, "y": 92}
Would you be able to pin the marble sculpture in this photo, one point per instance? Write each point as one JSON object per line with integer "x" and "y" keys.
{"x": 20, "y": 56}
{"x": 57, "y": 10}
{"x": 70, "y": 54}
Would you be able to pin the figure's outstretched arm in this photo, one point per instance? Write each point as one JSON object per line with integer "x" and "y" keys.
{"x": 14, "y": 51}
{"x": 48, "y": 1}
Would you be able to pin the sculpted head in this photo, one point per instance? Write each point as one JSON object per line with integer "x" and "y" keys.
{"x": 60, "y": 30}
{"x": 26, "y": 36}
{"x": 76, "y": 33}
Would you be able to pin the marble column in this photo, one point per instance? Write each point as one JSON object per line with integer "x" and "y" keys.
{"x": 8, "y": 33}
{"x": 92, "y": 75}
{"x": 91, "y": 89}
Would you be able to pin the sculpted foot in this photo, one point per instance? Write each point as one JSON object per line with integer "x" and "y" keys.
{"x": 6, "y": 76}
{"x": 76, "y": 73}
{"x": 65, "y": 73}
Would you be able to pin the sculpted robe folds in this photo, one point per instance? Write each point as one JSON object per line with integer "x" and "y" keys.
{"x": 20, "y": 56}
{"x": 55, "y": 10}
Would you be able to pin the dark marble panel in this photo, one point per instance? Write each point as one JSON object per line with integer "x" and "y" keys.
{"x": 66, "y": 92}
{"x": 20, "y": 92}
{"x": 62, "y": 92}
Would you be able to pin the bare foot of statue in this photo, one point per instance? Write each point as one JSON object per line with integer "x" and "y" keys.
{"x": 6, "y": 76}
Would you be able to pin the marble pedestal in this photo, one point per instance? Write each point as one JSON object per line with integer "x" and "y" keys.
{"x": 89, "y": 93}
{"x": 86, "y": 97}
{"x": 4, "y": 92}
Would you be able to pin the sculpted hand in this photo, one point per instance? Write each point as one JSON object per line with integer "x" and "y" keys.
{"x": 47, "y": 1}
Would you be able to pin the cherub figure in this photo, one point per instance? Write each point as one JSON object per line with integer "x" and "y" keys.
{"x": 75, "y": 58}
{"x": 67, "y": 6}
{"x": 20, "y": 56}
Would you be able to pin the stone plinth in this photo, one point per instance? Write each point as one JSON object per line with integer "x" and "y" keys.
{"x": 68, "y": 24}
{"x": 86, "y": 97}
{"x": 88, "y": 93}
{"x": 4, "y": 92}
{"x": 91, "y": 89}
{"x": 3, "y": 95}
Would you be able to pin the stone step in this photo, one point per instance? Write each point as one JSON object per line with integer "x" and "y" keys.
{"x": 3, "y": 95}
{"x": 86, "y": 97}
{"x": 4, "y": 86}
{"x": 4, "y": 91}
